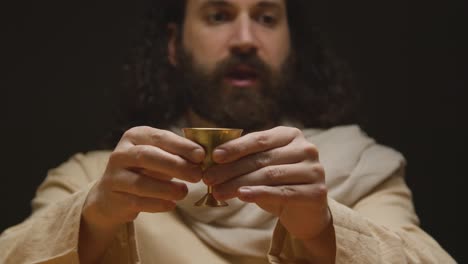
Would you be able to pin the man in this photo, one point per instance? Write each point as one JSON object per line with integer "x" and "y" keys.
{"x": 230, "y": 63}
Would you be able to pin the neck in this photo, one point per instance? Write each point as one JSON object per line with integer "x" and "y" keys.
{"x": 196, "y": 120}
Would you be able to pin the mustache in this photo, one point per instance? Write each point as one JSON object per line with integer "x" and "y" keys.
{"x": 251, "y": 60}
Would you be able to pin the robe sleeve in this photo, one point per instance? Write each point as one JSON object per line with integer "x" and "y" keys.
{"x": 51, "y": 233}
{"x": 380, "y": 228}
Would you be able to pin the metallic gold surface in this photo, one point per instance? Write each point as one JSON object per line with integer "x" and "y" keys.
{"x": 209, "y": 139}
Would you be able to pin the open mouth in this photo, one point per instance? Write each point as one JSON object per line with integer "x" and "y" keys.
{"x": 242, "y": 76}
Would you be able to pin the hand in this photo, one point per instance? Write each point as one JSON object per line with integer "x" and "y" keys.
{"x": 139, "y": 174}
{"x": 279, "y": 170}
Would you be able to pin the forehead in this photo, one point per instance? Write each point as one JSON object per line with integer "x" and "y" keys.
{"x": 236, "y": 2}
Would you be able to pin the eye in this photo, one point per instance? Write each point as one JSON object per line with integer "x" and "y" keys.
{"x": 268, "y": 20}
{"x": 217, "y": 17}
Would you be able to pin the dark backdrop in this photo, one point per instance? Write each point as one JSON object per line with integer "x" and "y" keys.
{"x": 62, "y": 70}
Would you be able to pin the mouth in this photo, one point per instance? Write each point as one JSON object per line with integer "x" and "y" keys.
{"x": 242, "y": 76}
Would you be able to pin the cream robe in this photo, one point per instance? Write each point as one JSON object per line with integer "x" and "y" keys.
{"x": 379, "y": 227}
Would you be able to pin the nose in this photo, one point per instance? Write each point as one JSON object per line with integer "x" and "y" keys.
{"x": 243, "y": 39}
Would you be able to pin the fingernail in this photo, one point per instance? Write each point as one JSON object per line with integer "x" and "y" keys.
{"x": 198, "y": 155}
{"x": 197, "y": 175}
{"x": 219, "y": 155}
{"x": 196, "y": 179}
{"x": 245, "y": 193}
{"x": 219, "y": 194}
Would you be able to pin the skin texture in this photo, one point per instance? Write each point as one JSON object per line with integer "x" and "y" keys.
{"x": 277, "y": 168}
{"x": 212, "y": 31}
{"x": 138, "y": 178}
{"x": 279, "y": 171}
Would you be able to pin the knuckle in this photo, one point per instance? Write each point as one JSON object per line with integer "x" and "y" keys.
{"x": 319, "y": 172}
{"x": 287, "y": 193}
{"x": 135, "y": 131}
{"x": 132, "y": 132}
{"x": 310, "y": 151}
{"x": 135, "y": 184}
{"x": 273, "y": 173}
{"x": 283, "y": 128}
{"x": 115, "y": 157}
{"x": 296, "y": 132}
{"x": 261, "y": 140}
{"x": 115, "y": 178}
{"x": 157, "y": 136}
{"x": 144, "y": 129}
{"x": 291, "y": 132}
{"x": 141, "y": 153}
{"x": 261, "y": 160}
{"x": 321, "y": 191}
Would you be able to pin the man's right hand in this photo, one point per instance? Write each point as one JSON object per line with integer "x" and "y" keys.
{"x": 139, "y": 177}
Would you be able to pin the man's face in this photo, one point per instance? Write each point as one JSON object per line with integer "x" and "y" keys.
{"x": 234, "y": 54}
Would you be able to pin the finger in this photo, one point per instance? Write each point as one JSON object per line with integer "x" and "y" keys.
{"x": 254, "y": 142}
{"x": 163, "y": 139}
{"x": 144, "y": 186}
{"x": 154, "y": 159}
{"x": 135, "y": 204}
{"x": 285, "y": 195}
{"x": 290, "y": 174}
{"x": 153, "y": 174}
{"x": 289, "y": 154}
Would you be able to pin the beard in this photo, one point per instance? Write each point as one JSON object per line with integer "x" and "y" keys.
{"x": 213, "y": 99}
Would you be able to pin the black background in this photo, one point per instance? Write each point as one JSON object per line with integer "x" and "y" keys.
{"x": 61, "y": 72}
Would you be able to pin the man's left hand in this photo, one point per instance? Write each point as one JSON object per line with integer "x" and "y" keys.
{"x": 279, "y": 170}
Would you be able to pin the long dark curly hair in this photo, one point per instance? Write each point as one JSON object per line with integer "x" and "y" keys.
{"x": 324, "y": 96}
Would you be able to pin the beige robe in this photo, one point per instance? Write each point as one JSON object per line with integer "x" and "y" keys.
{"x": 380, "y": 227}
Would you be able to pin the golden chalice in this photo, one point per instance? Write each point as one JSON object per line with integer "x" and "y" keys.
{"x": 209, "y": 139}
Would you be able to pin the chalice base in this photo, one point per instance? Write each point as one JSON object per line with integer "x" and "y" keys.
{"x": 209, "y": 201}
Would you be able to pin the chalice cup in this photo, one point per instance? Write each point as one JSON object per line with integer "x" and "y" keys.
{"x": 209, "y": 139}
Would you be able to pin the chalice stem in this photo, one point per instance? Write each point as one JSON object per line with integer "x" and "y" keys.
{"x": 209, "y": 139}
{"x": 209, "y": 200}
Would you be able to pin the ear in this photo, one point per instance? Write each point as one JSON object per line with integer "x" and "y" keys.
{"x": 172, "y": 43}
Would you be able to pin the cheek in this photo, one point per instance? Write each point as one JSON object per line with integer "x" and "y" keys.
{"x": 206, "y": 47}
{"x": 275, "y": 48}
{"x": 281, "y": 52}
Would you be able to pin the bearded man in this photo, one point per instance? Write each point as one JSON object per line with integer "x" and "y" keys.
{"x": 304, "y": 184}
